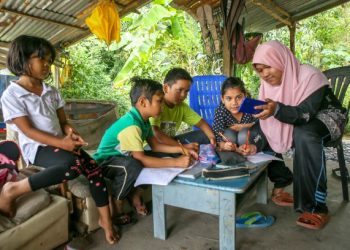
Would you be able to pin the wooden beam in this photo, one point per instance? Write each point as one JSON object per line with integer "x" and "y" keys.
{"x": 15, "y": 12}
{"x": 132, "y": 7}
{"x": 3, "y": 51}
{"x": 273, "y": 10}
{"x": 278, "y": 8}
{"x": 298, "y": 17}
{"x": 292, "y": 30}
{"x": 4, "y": 44}
{"x": 227, "y": 54}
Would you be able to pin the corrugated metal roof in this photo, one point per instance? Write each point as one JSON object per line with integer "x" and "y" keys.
{"x": 62, "y": 21}
{"x": 258, "y": 20}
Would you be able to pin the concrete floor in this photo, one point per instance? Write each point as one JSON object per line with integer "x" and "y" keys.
{"x": 188, "y": 230}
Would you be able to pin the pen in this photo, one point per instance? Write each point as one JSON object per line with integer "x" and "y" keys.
{"x": 224, "y": 137}
{"x": 187, "y": 141}
{"x": 247, "y": 139}
{"x": 184, "y": 151}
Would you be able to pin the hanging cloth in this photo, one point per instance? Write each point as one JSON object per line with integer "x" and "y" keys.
{"x": 104, "y": 21}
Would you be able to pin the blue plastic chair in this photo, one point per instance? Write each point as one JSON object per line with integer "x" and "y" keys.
{"x": 205, "y": 95}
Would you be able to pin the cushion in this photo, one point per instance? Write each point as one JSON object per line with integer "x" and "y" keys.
{"x": 27, "y": 205}
{"x": 31, "y": 203}
{"x": 5, "y": 223}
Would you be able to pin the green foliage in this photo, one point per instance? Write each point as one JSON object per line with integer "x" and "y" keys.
{"x": 162, "y": 37}
{"x": 152, "y": 43}
{"x": 322, "y": 40}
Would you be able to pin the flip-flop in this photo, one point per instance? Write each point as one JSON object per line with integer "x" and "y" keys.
{"x": 254, "y": 220}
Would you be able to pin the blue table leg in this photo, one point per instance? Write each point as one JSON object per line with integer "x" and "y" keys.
{"x": 159, "y": 212}
{"x": 227, "y": 225}
{"x": 261, "y": 189}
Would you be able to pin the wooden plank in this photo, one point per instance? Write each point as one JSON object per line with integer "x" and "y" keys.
{"x": 18, "y": 13}
{"x": 278, "y": 8}
{"x": 292, "y": 30}
{"x": 261, "y": 189}
{"x": 191, "y": 197}
{"x": 227, "y": 55}
{"x": 133, "y": 6}
{"x": 4, "y": 44}
{"x": 272, "y": 12}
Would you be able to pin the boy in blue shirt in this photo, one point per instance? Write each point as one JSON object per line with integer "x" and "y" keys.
{"x": 121, "y": 153}
{"x": 177, "y": 84}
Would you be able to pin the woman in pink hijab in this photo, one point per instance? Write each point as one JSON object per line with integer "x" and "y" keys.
{"x": 301, "y": 112}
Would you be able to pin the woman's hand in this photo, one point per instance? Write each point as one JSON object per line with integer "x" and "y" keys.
{"x": 268, "y": 109}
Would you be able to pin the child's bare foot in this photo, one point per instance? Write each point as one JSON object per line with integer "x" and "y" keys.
{"x": 112, "y": 236}
{"x": 7, "y": 202}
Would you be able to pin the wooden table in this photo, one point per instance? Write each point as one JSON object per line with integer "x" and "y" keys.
{"x": 212, "y": 197}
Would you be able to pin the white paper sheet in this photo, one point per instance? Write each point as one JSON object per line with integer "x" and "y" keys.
{"x": 157, "y": 176}
{"x": 261, "y": 157}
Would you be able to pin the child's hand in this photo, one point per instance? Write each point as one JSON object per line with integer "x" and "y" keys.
{"x": 183, "y": 161}
{"x": 212, "y": 141}
{"x": 71, "y": 142}
{"x": 227, "y": 146}
{"x": 194, "y": 146}
{"x": 193, "y": 154}
{"x": 249, "y": 149}
{"x": 236, "y": 127}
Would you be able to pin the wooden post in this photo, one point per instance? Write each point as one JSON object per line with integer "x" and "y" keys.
{"x": 292, "y": 29}
{"x": 56, "y": 77}
{"x": 227, "y": 55}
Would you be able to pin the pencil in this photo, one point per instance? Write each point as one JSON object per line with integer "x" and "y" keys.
{"x": 247, "y": 139}
{"x": 224, "y": 137}
{"x": 184, "y": 151}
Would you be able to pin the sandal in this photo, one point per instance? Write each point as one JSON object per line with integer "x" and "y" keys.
{"x": 313, "y": 220}
{"x": 254, "y": 220}
{"x": 283, "y": 199}
{"x": 122, "y": 219}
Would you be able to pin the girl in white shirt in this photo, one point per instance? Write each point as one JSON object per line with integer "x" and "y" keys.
{"x": 35, "y": 110}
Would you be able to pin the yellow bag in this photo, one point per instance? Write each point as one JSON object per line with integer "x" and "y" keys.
{"x": 104, "y": 21}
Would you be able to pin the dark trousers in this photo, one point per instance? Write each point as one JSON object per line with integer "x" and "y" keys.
{"x": 123, "y": 172}
{"x": 310, "y": 179}
{"x": 277, "y": 171}
{"x": 61, "y": 166}
{"x": 193, "y": 136}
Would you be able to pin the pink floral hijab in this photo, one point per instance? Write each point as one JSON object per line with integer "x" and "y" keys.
{"x": 298, "y": 82}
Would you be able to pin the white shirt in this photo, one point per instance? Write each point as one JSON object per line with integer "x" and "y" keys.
{"x": 41, "y": 110}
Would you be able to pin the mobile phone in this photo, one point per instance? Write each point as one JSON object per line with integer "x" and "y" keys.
{"x": 248, "y": 104}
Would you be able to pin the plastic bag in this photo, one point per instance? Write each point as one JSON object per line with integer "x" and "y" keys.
{"x": 207, "y": 154}
{"x": 104, "y": 21}
{"x": 9, "y": 155}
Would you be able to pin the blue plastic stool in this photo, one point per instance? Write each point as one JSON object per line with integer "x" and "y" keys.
{"x": 205, "y": 95}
